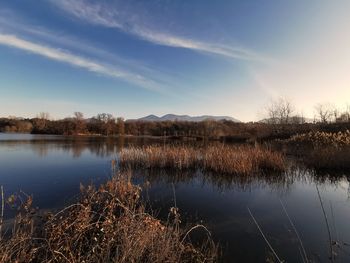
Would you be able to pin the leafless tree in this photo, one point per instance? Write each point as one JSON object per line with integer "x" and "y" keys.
{"x": 344, "y": 116}
{"x": 108, "y": 122}
{"x": 279, "y": 111}
{"x": 121, "y": 126}
{"x": 79, "y": 121}
{"x": 325, "y": 112}
{"x": 78, "y": 115}
{"x": 43, "y": 115}
{"x": 41, "y": 120}
{"x": 347, "y": 113}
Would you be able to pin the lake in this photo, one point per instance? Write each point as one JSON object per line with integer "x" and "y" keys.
{"x": 51, "y": 169}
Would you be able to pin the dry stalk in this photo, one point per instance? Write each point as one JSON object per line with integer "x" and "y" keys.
{"x": 303, "y": 254}
{"x": 263, "y": 235}
{"x": 327, "y": 225}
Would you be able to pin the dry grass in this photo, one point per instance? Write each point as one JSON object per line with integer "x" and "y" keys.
{"x": 109, "y": 224}
{"x": 320, "y": 139}
{"x": 322, "y": 150}
{"x": 243, "y": 160}
{"x": 329, "y": 158}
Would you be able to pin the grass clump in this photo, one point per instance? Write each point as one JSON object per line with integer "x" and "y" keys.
{"x": 242, "y": 160}
{"x": 108, "y": 224}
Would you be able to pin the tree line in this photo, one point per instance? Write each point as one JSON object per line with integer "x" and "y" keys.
{"x": 101, "y": 124}
{"x": 280, "y": 122}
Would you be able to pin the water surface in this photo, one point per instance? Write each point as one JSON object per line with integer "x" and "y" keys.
{"x": 52, "y": 167}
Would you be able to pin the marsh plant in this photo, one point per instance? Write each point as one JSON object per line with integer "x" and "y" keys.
{"x": 319, "y": 139}
{"x": 234, "y": 160}
{"x": 322, "y": 150}
{"x": 108, "y": 224}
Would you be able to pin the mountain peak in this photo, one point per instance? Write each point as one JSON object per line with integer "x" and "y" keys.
{"x": 174, "y": 117}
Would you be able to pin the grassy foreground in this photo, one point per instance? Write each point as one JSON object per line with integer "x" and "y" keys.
{"x": 240, "y": 160}
{"x": 108, "y": 224}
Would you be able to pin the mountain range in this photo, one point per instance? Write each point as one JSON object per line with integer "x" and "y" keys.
{"x": 174, "y": 117}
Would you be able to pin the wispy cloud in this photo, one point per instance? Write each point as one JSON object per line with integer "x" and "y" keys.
{"x": 11, "y": 22}
{"x": 100, "y": 13}
{"x": 77, "y": 61}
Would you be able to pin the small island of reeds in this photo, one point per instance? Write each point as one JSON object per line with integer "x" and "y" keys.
{"x": 232, "y": 160}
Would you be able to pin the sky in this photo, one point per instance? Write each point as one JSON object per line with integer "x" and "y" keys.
{"x": 133, "y": 58}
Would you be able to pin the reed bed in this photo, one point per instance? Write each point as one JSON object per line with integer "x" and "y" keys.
{"x": 321, "y": 139}
{"x": 108, "y": 224}
{"x": 242, "y": 160}
{"x": 329, "y": 158}
{"x": 321, "y": 150}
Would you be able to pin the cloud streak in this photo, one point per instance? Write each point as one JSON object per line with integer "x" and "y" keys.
{"x": 77, "y": 61}
{"x": 101, "y": 14}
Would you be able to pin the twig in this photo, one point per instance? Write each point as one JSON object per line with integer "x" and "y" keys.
{"x": 261, "y": 232}
{"x": 304, "y": 255}
{"x": 193, "y": 228}
{"x": 327, "y": 224}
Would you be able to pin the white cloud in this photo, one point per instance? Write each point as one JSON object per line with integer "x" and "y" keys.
{"x": 108, "y": 16}
{"x": 75, "y": 60}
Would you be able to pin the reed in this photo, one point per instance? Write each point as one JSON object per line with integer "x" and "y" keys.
{"x": 108, "y": 224}
{"x": 329, "y": 158}
{"x": 242, "y": 160}
{"x": 321, "y": 139}
{"x": 321, "y": 150}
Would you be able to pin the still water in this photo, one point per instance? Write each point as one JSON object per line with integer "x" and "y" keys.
{"x": 51, "y": 168}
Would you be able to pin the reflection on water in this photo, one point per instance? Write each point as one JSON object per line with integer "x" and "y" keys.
{"x": 221, "y": 203}
{"x": 51, "y": 168}
{"x": 74, "y": 146}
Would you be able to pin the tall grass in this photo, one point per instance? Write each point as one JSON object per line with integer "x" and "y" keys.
{"x": 321, "y": 139}
{"x": 243, "y": 160}
{"x": 321, "y": 150}
{"x": 329, "y": 158}
{"x": 108, "y": 224}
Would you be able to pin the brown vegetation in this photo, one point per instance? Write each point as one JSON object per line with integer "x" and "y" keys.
{"x": 243, "y": 160}
{"x": 109, "y": 224}
{"x": 318, "y": 139}
{"x": 329, "y": 158}
{"x": 321, "y": 150}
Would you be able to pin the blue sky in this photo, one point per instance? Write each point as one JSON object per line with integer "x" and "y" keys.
{"x": 134, "y": 58}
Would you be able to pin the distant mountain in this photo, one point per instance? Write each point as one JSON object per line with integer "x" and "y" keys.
{"x": 173, "y": 117}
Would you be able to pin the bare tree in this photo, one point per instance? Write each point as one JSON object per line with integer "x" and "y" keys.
{"x": 43, "y": 115}
{"x": 121, "y": 126}
{"x": 279, "y": 111}
{"x": 79, "y": 121}
{"x": 325, "y": 112}
{"x": 347, "y": 113}
{"x": 344, "y": 116}
{"x": 78, "y": 115}
{"x": 40, "y": 122}
{"x": 108, "y": 123}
